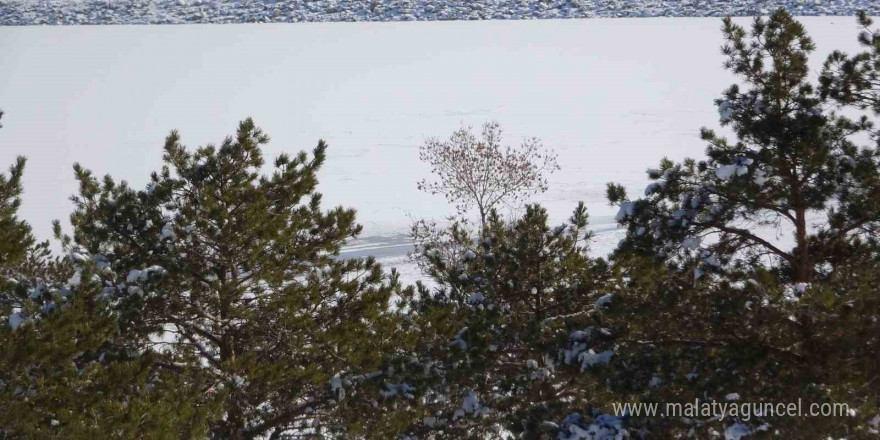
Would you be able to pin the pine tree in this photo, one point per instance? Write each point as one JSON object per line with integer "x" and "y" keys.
{"x": 60, "y": 373}
{"x": 794, "y": 163}
{"x": 238, "y": 274}
{"x": 855, "y": 80}
{"x": 745, "y": 337}
{"x": 703, "y": 312}
{"x": 511, "y": 332}
{"x": 15, "y": 238}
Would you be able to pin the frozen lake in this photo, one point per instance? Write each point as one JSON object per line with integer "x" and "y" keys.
{"x": 611, "y": 96}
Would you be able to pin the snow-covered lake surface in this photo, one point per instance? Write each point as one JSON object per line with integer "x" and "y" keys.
{"x": 611, "y": 96}
{"x": 30, "y": 12}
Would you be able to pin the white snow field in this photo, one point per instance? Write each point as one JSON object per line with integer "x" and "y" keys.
{"x": 611, "y": 96}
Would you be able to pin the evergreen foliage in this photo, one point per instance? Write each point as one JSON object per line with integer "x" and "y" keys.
{"x": 794, "y": 164}
{"x": 505, "y": 328}
{"x": 214, "y": 303}
{"x": 64, "y": 373}
{"x": 746, "y": 337}
{"x": 855, "y": 80}
{"x": 237, "y": 275}
{"x": 706, "y": 314}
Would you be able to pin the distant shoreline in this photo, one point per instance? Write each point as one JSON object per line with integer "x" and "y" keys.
{"x": 110, "y": 12}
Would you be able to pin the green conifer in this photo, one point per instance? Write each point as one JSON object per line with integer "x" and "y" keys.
{"x": 238, "y": 274}
{"x": 794, "y": 165}
{"x": 505, "y": 327}
{"x": 63, "y": 374}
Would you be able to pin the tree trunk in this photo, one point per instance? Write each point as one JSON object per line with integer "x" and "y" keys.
{"x": 801, "y": 266}
{"x": 234, "y": 417}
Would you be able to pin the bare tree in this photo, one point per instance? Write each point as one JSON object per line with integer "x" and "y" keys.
{"x": 481, "y": 173}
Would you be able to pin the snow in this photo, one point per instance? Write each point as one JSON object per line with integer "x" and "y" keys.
{"x": 654, "y": 187}
{"x": 168, "y": 231}
{"x": 140, "y": 275}
{"x": 536, "y": 371}
{"x": 626, "y": 211}
{"x": 580, "y": 335}
{"x": 19, "y": 12}
{"x": 457, "y": 341}
{"x": 476, "y": 298}
{"x": 713, "y": 261}
{"x": 134, "y": 276}
{"x": 794, "y": 292}
{"x": 725, "y": 111}
{"x": 337, "y": 388}
{"x": 604, "y": 301}
{"x": 398, "y": 389}
{"x": 592, "y": 359}
{"x": 36, "y": 292}
{"x": 374, "y": 91}
{"x": 604, "y": 427}
{"x": 691, "y": 243}
{"x": 739, "y": 168}
{"x": 16, "y": 320}
{"x": 760, "y": 177}
{"x": 875, "y": 425}
{"x": 736, "y": 431}
{"x": 847, "y": 160}
{"x": 725, "y": 172}
{"x": 470, "y": 405}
